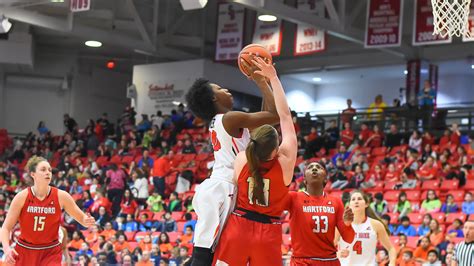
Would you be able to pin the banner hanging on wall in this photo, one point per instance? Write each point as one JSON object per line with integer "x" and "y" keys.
{"x": 384, "y": 23}
{"x": 471, "y": 25}
{"x": 423, "y": 26}
{"x": 164, "y": 95}
{"x": 80, "y": 5}
{"x": 230, "y": 28}
{"x": 309, "y": 39}
{"x": 268, "y": 34}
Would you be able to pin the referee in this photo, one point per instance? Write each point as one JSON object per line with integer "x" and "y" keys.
{"x": 464, "y": 251}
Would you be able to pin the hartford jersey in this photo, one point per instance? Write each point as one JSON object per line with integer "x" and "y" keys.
{"x": 362, "y": 249}
{"x": 225, "y": 148}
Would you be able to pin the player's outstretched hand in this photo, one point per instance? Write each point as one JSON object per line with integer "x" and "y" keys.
{"x": 252, "y": 69}
{"x": 266, "y": 69}
{"x": 88, "y": 220}
{"x": 348, "y": 216}
{"x": 10, "y": 256}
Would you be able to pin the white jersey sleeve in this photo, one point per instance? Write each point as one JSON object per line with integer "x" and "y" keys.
{"x": 362, "y": 250}
{"x": 225, "y": 148}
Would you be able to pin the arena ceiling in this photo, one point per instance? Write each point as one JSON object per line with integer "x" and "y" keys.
{"x": 150, "y": 31}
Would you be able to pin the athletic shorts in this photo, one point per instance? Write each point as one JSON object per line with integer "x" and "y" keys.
{"x": 312, "y": 262}
{"x": 43, "y": 257}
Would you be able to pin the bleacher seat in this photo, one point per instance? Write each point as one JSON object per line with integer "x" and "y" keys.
{"x": 379, "y": 151}
{"x": 412, "y": 241}
{"x": 439, "y": 216}
{"x": 415, "y": 218}
{"x": 177, "y": 216}
{"x": 450, "y": 217}
{"x": 413, "y": 195}
{"x": 391, "y": 195}
{"x": 458, "y": 195}
{"x": 469, "y": 185}
{"x": 174, "y": 236}
{"x": 130, "y": 236}
{"x": 140, "y": 235}
{"x": 393, "y": 217}
{"x": 430, "y": 185}
{"x": 449, "y": 184}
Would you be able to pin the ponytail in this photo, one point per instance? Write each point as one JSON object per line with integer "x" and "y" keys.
{"x": 254, "y": 163}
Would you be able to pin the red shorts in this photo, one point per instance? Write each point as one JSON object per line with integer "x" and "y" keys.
{"x": 47, "y": 257}
{"x": 244, "y": 241}
{"x": 310, "y": 262}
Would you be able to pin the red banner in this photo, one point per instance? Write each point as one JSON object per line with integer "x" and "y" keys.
{"x": 384, "y": 23}
{"x": 80, "y": 5}
{"x": 471, "y": 25}
{"x": 423, "y": 26}
{"x": 309, "y": 39}
{"x": 230, "y": 29}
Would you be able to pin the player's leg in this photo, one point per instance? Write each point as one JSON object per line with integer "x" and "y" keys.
{"x": 206, "y": 205}
{"x": 229, "y": 194}
{"x": 267, "y": 248}
{"x": 236, "y": 243}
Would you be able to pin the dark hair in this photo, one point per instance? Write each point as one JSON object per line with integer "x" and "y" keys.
{"x": 434, "y": 192}
{"x": 433, "y": 251}
{"x": 369, "y": 212}
{"x": 189, "y": 226}
{"x": 405, "y": 219}
{"x": 378, "y": 196}
{"x": 402, "y": 194}
{"x": 264, "y": 141}
{"x": 188, "y": 216}
{"x": 200, "y": 99}
{"x": 167, "y": 238}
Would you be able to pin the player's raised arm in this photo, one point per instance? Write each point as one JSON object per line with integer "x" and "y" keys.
{"x": 344, "y": 225}
{"x": 289, "y": 144}
{"x": 72, "y": 209}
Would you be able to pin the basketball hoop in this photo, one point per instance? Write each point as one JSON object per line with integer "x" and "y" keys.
{"x": 451, "y": 17}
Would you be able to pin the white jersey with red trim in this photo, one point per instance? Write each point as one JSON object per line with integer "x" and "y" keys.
{"x": 226, "y": 148}
{"x": 362, "y": 249}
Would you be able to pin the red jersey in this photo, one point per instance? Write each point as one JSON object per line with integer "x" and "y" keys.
{"x": 347, "y": 136}
{"x": 40, "y": 219}
{"x": 313, "y": 223}
{"x": 275, "y": 191}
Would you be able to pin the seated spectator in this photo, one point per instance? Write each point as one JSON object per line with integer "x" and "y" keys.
{"x": 189, "y": 147}
{"x": 393, "y": 138}
{"x": 140, "y": 185}
{"x": 42, "y": 129}
{"x": 376, "y": 175}
{"x": 155, "y": 254}
{"x": 455, "y": 138}
{"x": 412, "y": 160}
{"x": 428, "y": 170}
{"x": 145, "y": 160}
{"x": 155, "y": 202}
{"x": 431, "y": 204}
{"x": 108, "y": 231}
{"x": 184, "y": 257}
{"x": 356, "y": 180}
{"x": 428, "y": 139}
{"x": 342, "y": 154}
{"x": 146, "y": 225}
{"x": 128, "y": 204}
{"x": 415, "y": 141}
{"x": 406, "y": 259}
{"x": 185, "y": 179}
{"x": 364, "y": 133}
{"x": 175, "y": 203}
{"x": 403, "y": 207}
{"x": 75, "y": 188}
{"x": 427, "y": 152}
{"x": 421, "y": 252}
{"x": 445, "y": 139}
{"x": 119, "y": 223}
{"x": 102, "y": 217}
{"x": 169, "y": 224}
{"x": 313, "y": 135}
{"x": 432, "y": 259}
{"x": 456, "y": 229}
{"x": 165, "y": 245}
{"x": 449, "y": 206}
{"x": 93, "y": 234}
{"x": 85, "y": 250}
{"x": 392, "y": 174}
{"x": 100, "y": 201}
{"x": 424, "y": 228}
{"x": 145, "y": 259}
{"x": 338, "y": 179}
{"x": 347, "y": 135}
{"x": 405, "y": 228}
{"x": 145, "y": 244}
{"x": 98, "y": 246}
{"x": 189, "y": 221}
{"x": 131, "y": 225}
{"x": 468, "y": 204}
{"x": 382, "y": 258}
{"x": 402, "y": 246}
{"x": 76, "y": 242}
{"x": 375, "y": 138}
{"x": 361, "y": 160}
{"x": 121, "y": 243}
{"x": 126, "y": 260}
{"x": 380, "y": 206}
{"x": 188, "y": 236}
{"x": 436, "y": 235}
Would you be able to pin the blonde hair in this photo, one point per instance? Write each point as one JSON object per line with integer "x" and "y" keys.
{"x": 33, "y": 163}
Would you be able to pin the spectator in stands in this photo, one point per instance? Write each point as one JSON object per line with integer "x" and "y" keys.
{"x": 455, "y": 135}
{"x": 42, "y": 129}
{"x": 337, "y": 177}
{"x": 357, "y": 179}
{"x": 158, "y": 119}
{"x": 140, "y": 185}
{"x": 380, "y": 206}
{"x": 342, "y": 154}
{"x": 161, "y": 168}
{"x": 436, "y": 235}
{"x": 116, "y": 185}
{"x": 146, "y": 159}
{"x": 121, "y": 243}
{"x": 75, "y": 188}
{"x": 428, "y": 170}
{"x": 76, "y": 242}
{"x": 83, "y": 260}
{"x": 155, "y": 202}
{"x": 348, "y": 113}
{"x": 313, "y": 135}
{"x": 347, "y": 135}
{"x": 69, "y": 123}
{"x": 145, "y": 244}
{"x": 184, "y": 257}
{"x": 331, "y": 135}
{"x": 393, "y": 138}
{"x": 424, "y": 228}
{"x": 364, "y": 133}
{"x": 165, "y": 245}
{"x": 428, "y": 152}
{"x": 433, "y": 259}
{"x": 131, "y": 225}
{"x": 145, "y": 259}
{"x": 375, "y": 138}
{"x": 128, "y": 204}
{"x": 169, "y": 224}
{"x": 382, "y": 258}
{"x": 403, "y": 206}
{"x": 108, "y": 231}
{"x": 407, "y": 259}
{"x": 147, "y": 225}
{"x": 456, "y": 229}
{"x": 431, "y": 204}
{"x": 189, "y": 147}
{"x": 188, "y": 217}
{"x": 421, "y": 252}
{"x": 415, "y": 141}
{"x": 402, "y": 245}
{"x": 468, "y": 204}
{"x": 119, "y": 223}
{"x": 405, "y": 228}
{"x": 361, "y": 161}
{"x": 102, "y": 217}
{"x": 155, "y": 254}
{"x": 187, "y": 237}
{"x": 175, "y": 203}
{"x": 449, "y": 206}
{"x": 412, "y": 160}
{"x": 99, "y": 201}
{"x": 376, "y": 108}
{"x": 144, "y": 125}
{"x": 426, "y": 101}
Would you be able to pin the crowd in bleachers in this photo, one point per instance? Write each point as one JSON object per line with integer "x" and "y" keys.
{"x": 138, "y": 180}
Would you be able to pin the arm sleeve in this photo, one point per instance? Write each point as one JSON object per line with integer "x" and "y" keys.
{"x": 347, "y": 232}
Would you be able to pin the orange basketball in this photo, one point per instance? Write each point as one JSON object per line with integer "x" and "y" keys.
{"x": 252, "y": 50}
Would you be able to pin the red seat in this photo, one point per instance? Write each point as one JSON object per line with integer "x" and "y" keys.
{"x": 180, "y": 226}
{"x": 127, "y": 159}
{"x": 130, "y": 236}
{"x": 202, "y": 156}
{"x": 415, "y": 218}
{"x": 458, "y": 195}
{"x": 140, "y": 235}
{"x": 158, "y": 216}
{"x": 413, "y": 195}
{"x": 430, "y": 184}
{"x": 379, "y": 151}
{"x": 393, "y": 217}
{"x": 469, "y": 185}
{"x": 439, "y": 216}
{"x": 401, "y": 148}
{"x": 174, "y": 236}
{"x": 449, "y": 184}
{"x": 389, "y": 185}
{"x": 132, "y": 245}
{"x": 394, "y": 240}
{"x": 412, "y": 241}
{"x": 391, "y": 195}
{"x": 177, "y": 216}
{"x": 189, "y": 157}
{"x": 453, "y": 216}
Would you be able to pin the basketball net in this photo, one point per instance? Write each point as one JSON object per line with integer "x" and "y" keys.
{"x": 451, "y": 17}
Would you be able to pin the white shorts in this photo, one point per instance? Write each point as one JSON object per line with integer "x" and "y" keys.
{"x": 213, "y": 202}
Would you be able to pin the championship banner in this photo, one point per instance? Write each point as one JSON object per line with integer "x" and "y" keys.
{"x": 309, "y": 39}
{"x": 230, "y": 29}
{"x": 384, "y": 23}
{"x": 471, "y": 25}
{"x": 423, "y": 26}
{"x": 80, "y": 5}
{"x": 268, "y": 34}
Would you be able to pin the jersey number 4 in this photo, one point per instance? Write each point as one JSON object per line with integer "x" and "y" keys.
{"x": 39, "y": 223}
{"x": 321, "y": 224}
{"x": 215, "y": 141}
{"x": 266, "y": 191}
{"x": 357, "y": 247}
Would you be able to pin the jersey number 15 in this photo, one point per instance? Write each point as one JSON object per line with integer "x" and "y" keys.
{"x": 39, "y": 223}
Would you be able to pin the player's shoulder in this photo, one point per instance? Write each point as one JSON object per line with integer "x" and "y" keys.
{"x": 376, "y": 224}
{"x": 331, "y": 200}
{"x": 22, "y": 194}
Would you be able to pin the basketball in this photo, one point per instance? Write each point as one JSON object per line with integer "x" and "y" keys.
{"x": 249, "y": 51}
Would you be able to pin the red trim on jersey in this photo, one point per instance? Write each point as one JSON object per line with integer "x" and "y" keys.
{"x": 235, "y": 145}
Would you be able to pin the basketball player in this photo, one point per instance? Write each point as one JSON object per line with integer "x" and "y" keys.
{"x": 369, "y": 229}
{"x": 263, "y": 173}
{"x": 38, "y": 211}
{"x": 314, "y": 217}
{"x": 214, "y": 198}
